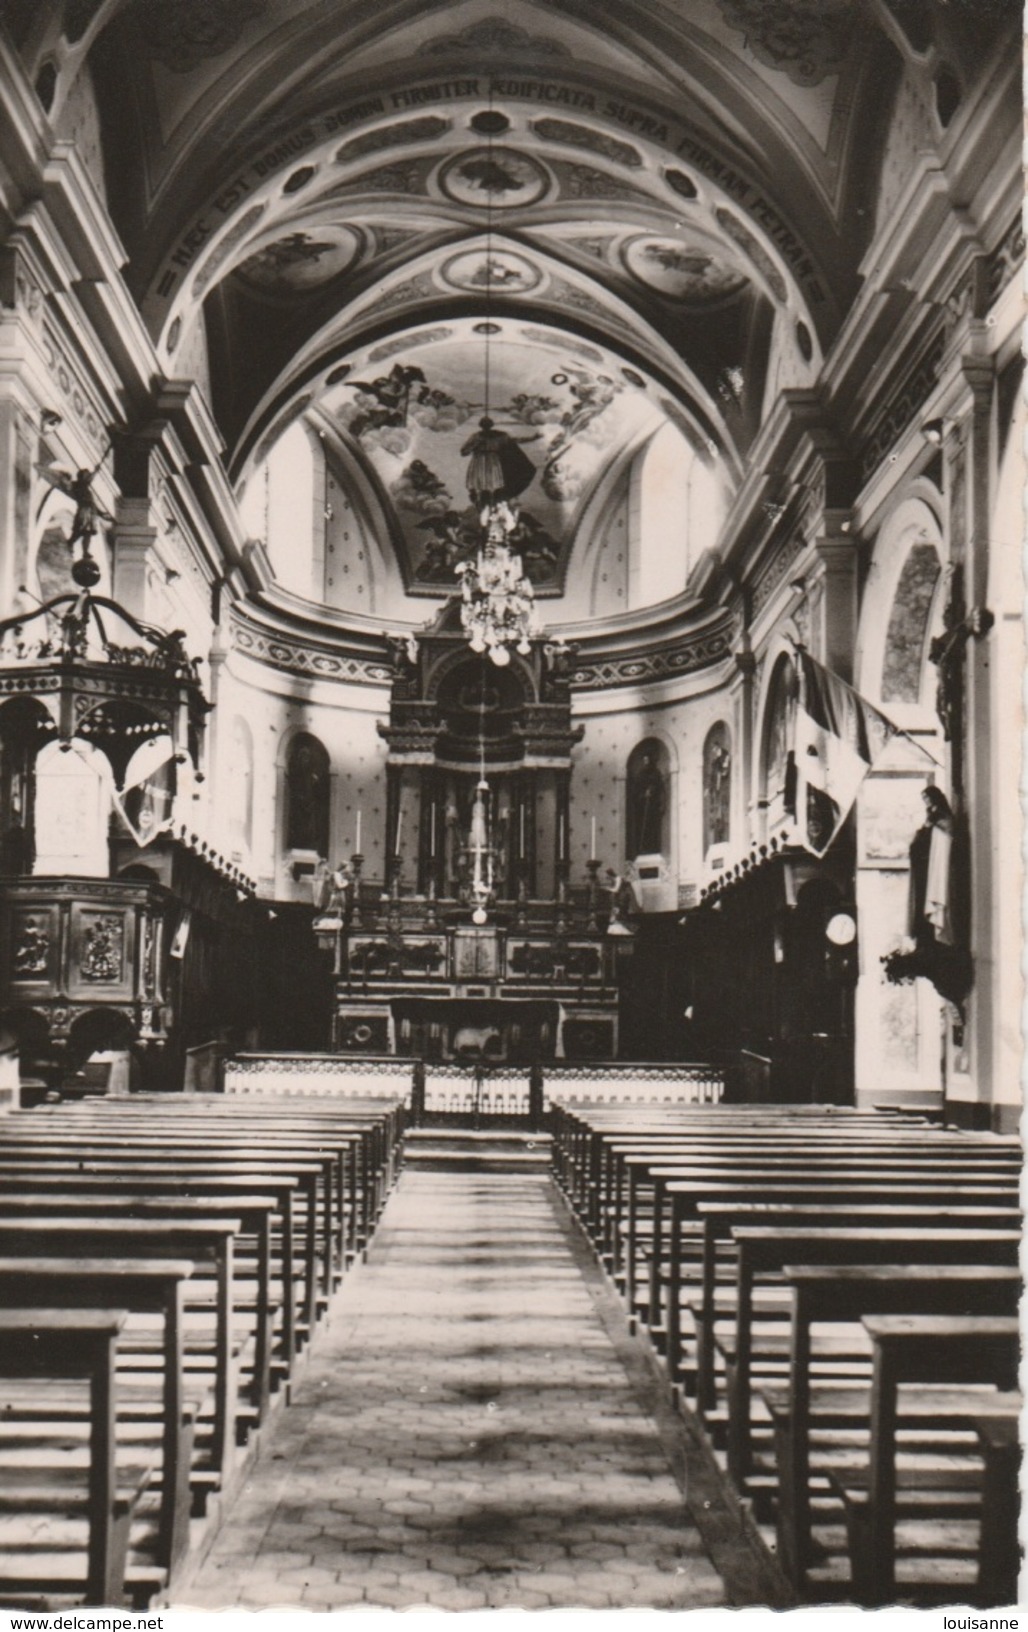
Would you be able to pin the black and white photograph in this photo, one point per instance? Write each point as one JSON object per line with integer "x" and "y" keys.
{"x": 512, "y": 536}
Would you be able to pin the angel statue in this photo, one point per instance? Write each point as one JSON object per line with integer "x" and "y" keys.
{"x": 88, "y": 512}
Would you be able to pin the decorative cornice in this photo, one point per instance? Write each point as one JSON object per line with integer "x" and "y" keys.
{"x": 300, "y": 655}
{"x": 780, "y": 562}
{"x": 677, "y": 657}
{"x": 900, "y": 409}
{"x": 293, "y": 652}
{"x": 1005, "y": 259}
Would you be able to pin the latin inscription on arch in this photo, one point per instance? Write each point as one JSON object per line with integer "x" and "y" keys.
{"x": 676, "y": 139}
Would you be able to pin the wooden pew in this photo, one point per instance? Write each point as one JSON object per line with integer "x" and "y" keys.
{"x": 597, "y": 1143}
{"x": 109, "y": 1153}
{"x": 913, "y": 1348}
{"x": 859, "y": 1167}
{"x": 846, "y": 1293}
{"x": 626, "y": 1167}
{"x": 999, "y": 1551}
{"x": 193, "y": 1183}
{"x": 629, "y": 1165}
{"x": 363, "y": 1144}
{"x": 250, "y": 1214}
{"x": 194, "y": 1178}
{"x": 649, "y": 1169}
{"x": 69, "y": 1344}
{"x": 686, "y": 1199}
{"x": 763, "y": 1250}
{"x": 139, "y": 1286}
{"x": 716, "y": 1227}
{"x": 212, "y": 1240}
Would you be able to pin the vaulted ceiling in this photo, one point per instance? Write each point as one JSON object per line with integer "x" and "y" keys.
{"x": 678, "y": 188}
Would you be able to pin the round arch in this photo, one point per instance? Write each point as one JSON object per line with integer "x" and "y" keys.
{"x": 900, "y": 607}
{"x": 771, "y": 750}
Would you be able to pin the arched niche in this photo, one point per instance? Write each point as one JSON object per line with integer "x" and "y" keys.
{"x": 481, "y": 709}
{"x": 901, "y": 610}
{"x": 906, "y": 641}
{"x": 717, "y": 787}
{"x": 647, "y": 811}
{"x": 776, "y": 766}
{"x": 307, "y": 795}
{"x": 99, "y": 1031}
{"x": 25, "y": 1043}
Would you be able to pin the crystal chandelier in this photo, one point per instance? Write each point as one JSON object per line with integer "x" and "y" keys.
{"x": 497, "y": 600}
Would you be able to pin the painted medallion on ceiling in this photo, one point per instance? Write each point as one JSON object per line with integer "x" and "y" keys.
{"x": 679, "y": 271}
{"x": 496, "y": 177}
{"x": 503, "y": 272}
{"x": 417, "y": 420}
{"x": 302, "y": 260}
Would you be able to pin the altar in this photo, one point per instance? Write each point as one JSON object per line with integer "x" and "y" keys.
{"x": 477, "y": 945}
{"x": 541, "y": 983}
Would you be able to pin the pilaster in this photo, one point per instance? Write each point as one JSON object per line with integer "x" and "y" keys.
{"x": 742, "y": 693}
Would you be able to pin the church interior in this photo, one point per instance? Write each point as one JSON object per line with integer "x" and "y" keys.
{"x": 511, "y": 649}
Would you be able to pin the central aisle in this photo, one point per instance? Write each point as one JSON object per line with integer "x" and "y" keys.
{"x": 465, "y": 1435}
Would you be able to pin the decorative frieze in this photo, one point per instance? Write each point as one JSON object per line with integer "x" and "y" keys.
{"x": 293, "y": 657}
{"x": 901, "y": 408}
{"x": 663, "y": 663}
{"x": 1005, "y": 259}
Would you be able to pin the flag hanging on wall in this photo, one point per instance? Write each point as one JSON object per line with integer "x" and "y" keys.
{"x": 839, "y": 737}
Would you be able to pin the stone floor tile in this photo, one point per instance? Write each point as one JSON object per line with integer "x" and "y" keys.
{"x": 464, "y": 1434}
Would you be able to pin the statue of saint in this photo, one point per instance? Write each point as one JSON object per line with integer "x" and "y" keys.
{"x": 930, "y": 911}
{"x": 646, "y": 807}
{"x": 717, "y": 788}
{"x": 497, "y": 468}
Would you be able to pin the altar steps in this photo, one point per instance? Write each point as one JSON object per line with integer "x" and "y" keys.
{"x": 476, "y": 1150}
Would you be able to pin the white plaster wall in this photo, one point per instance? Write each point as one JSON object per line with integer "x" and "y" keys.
{"x": 344, "y": 719}
{"x": 598, "y": 779}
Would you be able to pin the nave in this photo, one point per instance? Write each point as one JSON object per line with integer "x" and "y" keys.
{"x": 299, "y": 1349}
{"x": 466, "y": 1435}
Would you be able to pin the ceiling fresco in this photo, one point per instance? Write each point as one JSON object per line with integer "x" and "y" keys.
{"x": 415, "y": 416}
{"x": 302, "y": 260}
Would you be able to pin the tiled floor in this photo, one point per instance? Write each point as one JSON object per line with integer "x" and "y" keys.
{"x": 465, "y": 1435}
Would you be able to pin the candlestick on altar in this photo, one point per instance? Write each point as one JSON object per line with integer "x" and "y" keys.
{"x": 592, "y": 840}
{"x": 356, "y": 863}
{"x": 593, "y": 896}
{"x": 399, "y": 830}
{"x": 357, "y": 841}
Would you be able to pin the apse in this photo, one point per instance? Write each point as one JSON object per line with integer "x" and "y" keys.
{"x": 363, "y": 504}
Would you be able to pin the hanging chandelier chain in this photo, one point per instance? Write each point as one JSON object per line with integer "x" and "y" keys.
{"x": 488, "y": 256}
{"x": 497, "y": 599}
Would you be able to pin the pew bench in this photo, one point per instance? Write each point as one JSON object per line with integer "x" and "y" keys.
{"x": 194, "y": 1178}
{"x": 141, "y": 1287}
{"x": 73, "y": 1345}
{"x": 719, "y": 1260}
{"x": 842, "y": 1295}
{"x": 688, "y": 1198}
{"x": 764, "y": 1251}
{"x": 211, "y": 1348}
{"x": 921, "y": 1351}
